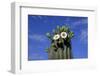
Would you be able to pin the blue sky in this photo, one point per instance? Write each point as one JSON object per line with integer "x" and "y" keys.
{"x": 39, "y": 25}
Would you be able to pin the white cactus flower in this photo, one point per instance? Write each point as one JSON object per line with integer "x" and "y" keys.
{"x": 56, "y": 37}
{"x": 64, "y": 35}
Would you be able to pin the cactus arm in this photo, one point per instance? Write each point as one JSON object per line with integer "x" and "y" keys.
{"x": 65, "y": 52}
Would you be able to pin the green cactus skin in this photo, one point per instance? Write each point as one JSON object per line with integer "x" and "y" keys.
{"x": 60, "y": 49}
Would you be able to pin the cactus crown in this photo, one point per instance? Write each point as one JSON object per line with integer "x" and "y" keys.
{"x": 60, "y": 32}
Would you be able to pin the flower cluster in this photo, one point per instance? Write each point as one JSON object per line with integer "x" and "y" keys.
{"x": 62, "y": 35}
{"x": 60, "y": 32}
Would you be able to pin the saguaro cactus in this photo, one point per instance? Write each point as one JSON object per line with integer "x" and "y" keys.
{"x": 60, "y": 47}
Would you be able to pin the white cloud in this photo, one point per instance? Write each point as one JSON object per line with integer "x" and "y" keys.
{"x": 38, "y": 37}
{"x": 40, "y": 17}
{"x": 78, "y": 23}
{"x": 37, "y": 17}
{"x": 83, "y": 36}
{"x": 83, "y": 21}
{"x": 67, "y": 19}
{"x": 35, "y": 56}
{"x": 33, "y": 17}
